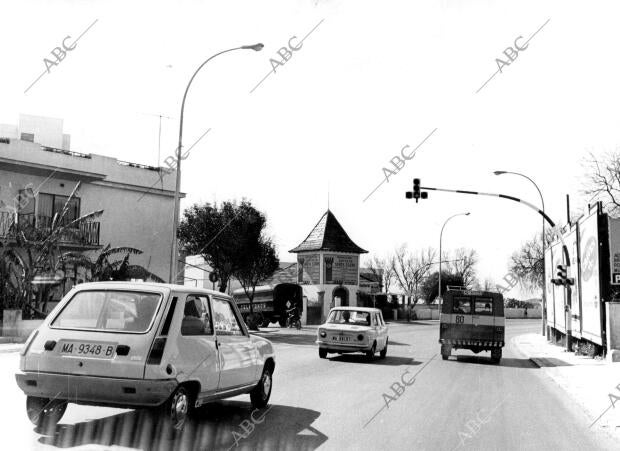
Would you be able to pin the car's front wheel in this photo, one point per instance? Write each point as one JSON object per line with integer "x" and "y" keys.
{"x": 371, "y": 354}
{"x": 383, "y": 352}
{"x": 45, "y": 411}
{"x": 322, "y": 353}
{"x": 261, "y": 393}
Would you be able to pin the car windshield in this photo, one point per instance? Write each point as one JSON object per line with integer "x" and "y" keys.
{"x": 349, "y": 317}
{"x": 123, "y": 311}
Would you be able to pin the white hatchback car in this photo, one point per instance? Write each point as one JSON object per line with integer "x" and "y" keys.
{"x": 353, "y": 329}
{"x": 135, "y": 345}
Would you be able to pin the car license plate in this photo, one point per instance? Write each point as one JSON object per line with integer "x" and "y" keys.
{"x": 344, "y": 338}
{"x": 85, "y": 349}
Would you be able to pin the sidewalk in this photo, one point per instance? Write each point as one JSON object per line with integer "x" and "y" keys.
{"x": 589, "y": 382}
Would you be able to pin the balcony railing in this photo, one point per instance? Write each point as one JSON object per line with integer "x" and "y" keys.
{"x": 85, "y": 234}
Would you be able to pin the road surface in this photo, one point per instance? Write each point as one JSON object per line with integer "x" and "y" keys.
{"x": 412, "y": 400}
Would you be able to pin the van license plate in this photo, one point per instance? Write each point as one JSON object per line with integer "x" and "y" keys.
{"x": 99, "y": 350}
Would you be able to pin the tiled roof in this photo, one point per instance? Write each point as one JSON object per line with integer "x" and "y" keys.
{"x": 285, "y": 274}
{"x": 328, "y": 235}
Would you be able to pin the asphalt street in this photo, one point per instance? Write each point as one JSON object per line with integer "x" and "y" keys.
{"x": 412, "y": 400}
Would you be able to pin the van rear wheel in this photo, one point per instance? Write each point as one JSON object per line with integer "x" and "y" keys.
{"x": 496, "y": 355}
{"x": 446, "y": 350}
{"x": 45, "y": 411}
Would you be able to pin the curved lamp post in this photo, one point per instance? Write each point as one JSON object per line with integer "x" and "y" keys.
{"x": 440, "y": 257}
{"x": 173, "y": 252}
{"x": 542, "y": 200}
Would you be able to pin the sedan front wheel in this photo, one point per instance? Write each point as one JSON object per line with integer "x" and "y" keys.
{"x": 261, "y": 393}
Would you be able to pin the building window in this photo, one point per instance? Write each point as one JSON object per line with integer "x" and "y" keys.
{"x": 48, "y": 205}
{"x": 27, "y": 137}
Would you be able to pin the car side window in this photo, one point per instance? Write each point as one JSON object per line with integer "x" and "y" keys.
{"x": 196, "y": 316}
{"x": 225, "y": 320}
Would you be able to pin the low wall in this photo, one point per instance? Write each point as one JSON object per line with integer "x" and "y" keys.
{"x": 520, "y": 313}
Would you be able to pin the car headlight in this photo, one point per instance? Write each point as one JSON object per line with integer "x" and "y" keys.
{"x": 322, "y": 334}
{"x": 360, "y": 337}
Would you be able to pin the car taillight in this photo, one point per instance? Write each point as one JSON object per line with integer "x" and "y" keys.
{"x": 157, "y": 351}
{"x": 29, "y": 341}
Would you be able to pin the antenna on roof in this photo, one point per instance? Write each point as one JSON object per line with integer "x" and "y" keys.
{"x": 159, "y": 136}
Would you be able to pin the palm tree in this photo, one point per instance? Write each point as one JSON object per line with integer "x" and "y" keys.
{"x": 36, "y": 251}
{"x": 105, "y": 267}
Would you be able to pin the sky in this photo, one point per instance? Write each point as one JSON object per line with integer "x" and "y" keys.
{"x": 370, "y": 78}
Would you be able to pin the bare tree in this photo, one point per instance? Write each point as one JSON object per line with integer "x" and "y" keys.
{"x": 527, "y": 264}
{"x": 382, "y": 269}
{"x": 411, "y": 268}
{"x": 464, "y": 265}
{"x": 603, "y": 180}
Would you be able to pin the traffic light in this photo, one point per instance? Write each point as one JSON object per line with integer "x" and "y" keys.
{"x": 562, "y": 274}
{"x": 562, "y": 278}
{"x": 416, "y": 194}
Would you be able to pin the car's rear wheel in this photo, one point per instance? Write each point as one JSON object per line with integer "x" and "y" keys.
{"x": 322, "y": 353}
{"x": 45, "y": 411}
{"x": 177, "y": 408}
{"x": 383, "y": 352}
{"x": 371, "y": 354}
{"x": 266, "y": 322}
{"x": 261, "y": 393}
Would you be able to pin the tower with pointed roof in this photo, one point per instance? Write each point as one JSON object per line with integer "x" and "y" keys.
{"x": 327, "y": 268}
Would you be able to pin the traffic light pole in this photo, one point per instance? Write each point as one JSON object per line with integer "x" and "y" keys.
{"x": 567, "y": 304}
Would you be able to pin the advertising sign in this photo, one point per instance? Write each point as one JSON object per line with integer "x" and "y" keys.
{"x": 614, "y": 250}
{"x": 571, "y": 241}
{"x": 590, "y": 284}
{"x": 549, "y": 287}
{"x": 341, "y": 269}
{"x": 308, "y": 268}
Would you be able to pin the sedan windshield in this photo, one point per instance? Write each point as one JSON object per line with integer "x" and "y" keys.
{"x": 353, "y": 317}
{"x": 123, "y": 311}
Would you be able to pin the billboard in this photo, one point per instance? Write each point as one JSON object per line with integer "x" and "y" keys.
{"x": 590, "y": 282}
{"x": 341, "y": 269}
{"x": 572, "y": 242}
{"x": 308, "y": 269}
{"x": 614, "y": 250}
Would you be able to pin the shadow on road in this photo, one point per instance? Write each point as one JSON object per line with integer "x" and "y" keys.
{"x": 485, "y": 360}
{"x": 223, "y": 425}
{"x": 361, "y": 358}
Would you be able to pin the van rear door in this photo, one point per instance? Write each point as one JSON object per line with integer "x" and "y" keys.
{"x": 483, "y": 320}
{"x": 460, "y": 318}
{"x": 98, "y": 333}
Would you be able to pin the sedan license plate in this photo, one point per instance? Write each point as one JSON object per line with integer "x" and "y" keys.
{"x": 85, "y": 349}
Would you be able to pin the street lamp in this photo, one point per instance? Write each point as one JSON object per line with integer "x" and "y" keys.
{"x": 440, "y": 238}
{"x": 177, "y": 189}
{"x": 542, "y": 200}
